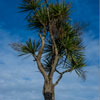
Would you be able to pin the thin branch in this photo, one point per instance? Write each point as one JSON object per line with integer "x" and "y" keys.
{"x": 61, "y": 74}
{"x": 60, "y": 77}
{"x": 58, "y": 71}
{"x": 47, "y": 9}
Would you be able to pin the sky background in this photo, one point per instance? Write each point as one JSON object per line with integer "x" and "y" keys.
{"x": 19, "y": 77}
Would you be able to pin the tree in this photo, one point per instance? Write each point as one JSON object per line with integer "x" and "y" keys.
{"x": 59, "y": 48}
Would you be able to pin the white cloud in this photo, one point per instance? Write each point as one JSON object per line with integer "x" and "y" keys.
{"x": 73, "y": 88}
{"x": 92, "y": 48}
{"x": 19, "y": 79}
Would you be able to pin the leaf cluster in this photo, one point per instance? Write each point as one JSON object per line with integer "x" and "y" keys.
{"x": 37, "y": 15}
{"x": 29, "y": 48}
{"x": 70, "y": 50}
{"x": 67, "y": 36}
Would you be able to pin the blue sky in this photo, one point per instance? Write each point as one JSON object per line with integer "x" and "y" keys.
{"x": 20, "y": 79}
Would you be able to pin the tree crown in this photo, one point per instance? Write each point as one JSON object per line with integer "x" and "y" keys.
{"x": 62, "y": 39}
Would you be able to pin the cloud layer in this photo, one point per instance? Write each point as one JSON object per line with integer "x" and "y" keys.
{"x": 20, "y": 79}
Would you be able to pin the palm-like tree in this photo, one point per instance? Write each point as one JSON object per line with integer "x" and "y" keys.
{"x": 60, "y": 45}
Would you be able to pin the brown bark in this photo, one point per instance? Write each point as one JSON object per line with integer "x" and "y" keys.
{"x": 38, "y": 57}
{"x": 48, "y": 91}
{"x": 40, "y": 67}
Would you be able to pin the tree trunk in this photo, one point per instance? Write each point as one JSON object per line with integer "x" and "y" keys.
{"x": 48, "y": 91}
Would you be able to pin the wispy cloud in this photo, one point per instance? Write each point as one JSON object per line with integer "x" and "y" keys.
{"x": 92, "y": 48}
{"x": 20, "y": 79}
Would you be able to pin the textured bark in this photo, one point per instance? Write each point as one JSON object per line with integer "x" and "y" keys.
{"x": 48, "y": 91}
{"x": 53, "y": 93}
{"x": 48, "y": 96}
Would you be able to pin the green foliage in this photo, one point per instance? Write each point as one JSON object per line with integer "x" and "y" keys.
{"x": 37, "y": 13}
{"x": 39, "y": 19}
{"x": 28, "y": 48}
{"x": 70, "y": 50}
{"x": 59, "y": 11}
{"x": 66, "y": 35}
{"x": 29, "y": 5}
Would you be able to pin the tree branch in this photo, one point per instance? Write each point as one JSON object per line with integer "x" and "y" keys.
{"x": 54, "y": 63}
{"x": 40, "y": 67}
{"x": 55, "y": 50}
{"x": 60, "y": 77}
{"x": 53, "y": 66}
{"x": 42, "y": 45}
{"x": 61, "y": 74}
{"x": 58, "y": 71}
{"x": 38, "y": 57}
{"x": 47, "y": 9}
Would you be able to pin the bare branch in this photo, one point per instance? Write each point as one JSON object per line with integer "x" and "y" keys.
{"x": 42, "y": 45}
{"x": 55, "y": 50}
{"x": 40, "y": 67}
{"x": 58, "y": 71}
{"x": 60, "y": 77}
{"x": 53, "y": 67}
{"x": 38, "y": 57}
{"x": 61, "y": 74}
